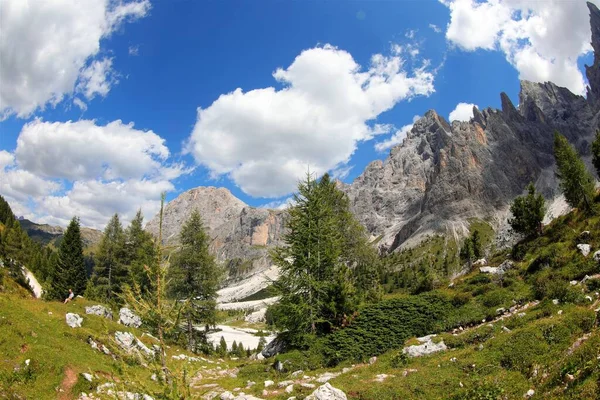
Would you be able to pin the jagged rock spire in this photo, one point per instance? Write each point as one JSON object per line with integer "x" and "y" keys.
{"x": 593, "y": 72}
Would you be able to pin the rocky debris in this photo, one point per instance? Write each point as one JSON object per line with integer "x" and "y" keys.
{"x": 296, "y": 374}
{"x": 372, "y": 360}
{"x": 283, "y": 384}
{"x": 99, "y": 310}
{"x": 327, "y": 376}
{"x": 269, "y": 383}
{"x": 74, "y": 320}
{"x": 128, "y": 342}
{"x": 427, "y": 347}
{"x": 530, "y": 393}
{"x": 188, "y": 358}
{"x": 307, "y": 385}
{"x": 408, "y": 371}
{"x": 273, "y": 348}
{"x": 555, "y": 301}
{"x": 100, "y": 347}
{"x": 129, "y": 318}
{"x": 87, "y": 377}
{"x": 289, "y": 388}
{"x": 481, "y": 262}
{"x": 584, "y": 248}
{"x": 108, "y": 389}
{"x": 327, "y": 392}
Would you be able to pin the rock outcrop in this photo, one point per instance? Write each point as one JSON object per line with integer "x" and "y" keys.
{"x": 240, "y": 235}
{"x": 100, "y": 311}
{"x": 445, "y": 173}
{"x": 327, "y": 392}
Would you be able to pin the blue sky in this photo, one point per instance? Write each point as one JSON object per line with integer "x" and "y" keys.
{"x": 154, "y": 63}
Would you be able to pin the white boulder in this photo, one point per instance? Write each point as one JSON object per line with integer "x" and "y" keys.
{"x": 128, "y": 318}
{"x": 74, "y": 320}
{"x": 428, "y": 347}
{"x": 584, "y": 249}
{"x": 327, "y": 392}
{"x": 99, "y": 310}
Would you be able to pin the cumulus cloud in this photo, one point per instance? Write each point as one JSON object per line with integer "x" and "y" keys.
{"x": 279, "y": 204}
{"x": 541, "y": 39}
{"x": 462, "y": 112}
{"x": 397, "y": 137}
{"x": 62, "y": 169}
{"x": 266, "y": 139}
{"x": 84, "y": 150}
{"x": 63, "y": 41}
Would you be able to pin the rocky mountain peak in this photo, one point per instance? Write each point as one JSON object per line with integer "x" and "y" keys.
{"x": 593, "y": 71}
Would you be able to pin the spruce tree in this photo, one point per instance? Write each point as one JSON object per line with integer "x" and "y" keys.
{"x": 576, "y": 183}
{"x": 69, "y": 273}
{"x": 139, "y": 251}
{"x": 477, "y": 245}
{"x": 195, "y": 276}
{"x": 528, "y": 213}
{"x": 110, "y": 273}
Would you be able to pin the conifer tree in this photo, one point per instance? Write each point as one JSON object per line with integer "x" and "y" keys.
{"x": 576, "y": 183}
{"x": 222, "y": 348}
{"x": 528, "y": 213}
{"x": 69, "y": 272}
{"x": 195, "y": 276}
{"x": 139, "y": 250}
{"x": 110, "y": 272}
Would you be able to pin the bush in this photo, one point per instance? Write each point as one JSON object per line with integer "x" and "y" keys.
{"x": 481, "y": 391}
{"x": 398, "y": 359}
{"x": 386, "y": 325}
{"x": 593, "y": 284}
{"x": 581, "y": 318}
{"x": 555, "y": 333}
{"x": 471, "y": 337}
{"x": 460, "y": 299}
{"x": 496, "y": 298}
{"x": 522, "y": 349}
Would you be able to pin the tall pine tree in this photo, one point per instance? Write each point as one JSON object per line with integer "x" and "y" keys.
{"x": 139, "y": 251}
{"x": 195, "y": 276}
{"x": 69, "y": 272}
{"x": 110, "y": 272}
{"x": 576, "y": 183}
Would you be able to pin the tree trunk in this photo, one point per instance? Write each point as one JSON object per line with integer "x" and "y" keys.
{"x": 190, "y": 333}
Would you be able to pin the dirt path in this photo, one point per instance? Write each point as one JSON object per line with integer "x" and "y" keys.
{"x": 67, "y": 384}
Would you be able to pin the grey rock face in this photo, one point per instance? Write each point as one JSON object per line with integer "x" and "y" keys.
{"x": 99, "y": 310}
{"x": 273, "y": 348}
{"x": 73, "y": 320}
{"x": 445, "y": 173}
{"x": 240, "y": 235}
{"x": 130, "y": 343}
{"x": 128, "y": 318}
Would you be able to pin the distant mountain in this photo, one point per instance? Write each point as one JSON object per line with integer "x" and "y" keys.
{"x": 241, "y": 235}
{"x": 445, "y": 173}
{"x": 48, "y": 234}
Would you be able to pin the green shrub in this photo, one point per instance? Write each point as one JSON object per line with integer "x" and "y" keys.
{"x": 593, "y": 284}
{"x": 581, "y": 318}
{"x": 398, "y": 359}
{"x": 471, "y": 337}
{"x": 479, "y": 279}
{"x": 555, "y": 333}
{"x": 496, "y": 298}
{"x": 386, "y": 325}
{"x": 522, "y": 350}
{"x": 460, "y": 299}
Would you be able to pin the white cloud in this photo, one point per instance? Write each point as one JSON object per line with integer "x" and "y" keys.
{"x": 97, "y": 78}
{"x": 279, "y": 204}
{"x": 83, "y": 150}
{"x": 435, "y": 28}
{"x": 265, "y": 139}
{"x": 462, "y": 112}
{"x": 79, "y": 103}
{"x": 397, "y": 137}
{"x": 134, "y": 50}
{"x": 541, "y": 39}
{"x": 80, "y": 168}
{"x": 47, "y": 47}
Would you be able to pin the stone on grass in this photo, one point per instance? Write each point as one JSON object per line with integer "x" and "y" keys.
{"x": 88, "y": 377}
{"x": 74, "y": 320}
{"x": 584, "y": 248}
{"x": 269, "y": 383}
{"x": 128, "y": 318}
{"x": 372, "y": 360}
{"x": 529, "y": 393}
{"x": 489, "y": 270}
{"x": 289, "y": 389}
{"x": 428, "y": 347}
{"x": 597, "y": 256}
{"x": 100, "y": 311}
{"x": 327, "y": 392}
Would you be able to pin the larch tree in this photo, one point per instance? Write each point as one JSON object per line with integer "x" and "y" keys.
{"x": 576, "y": 183}
{"x": 195, "y": 275}
{"x": 139, "y": 251}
